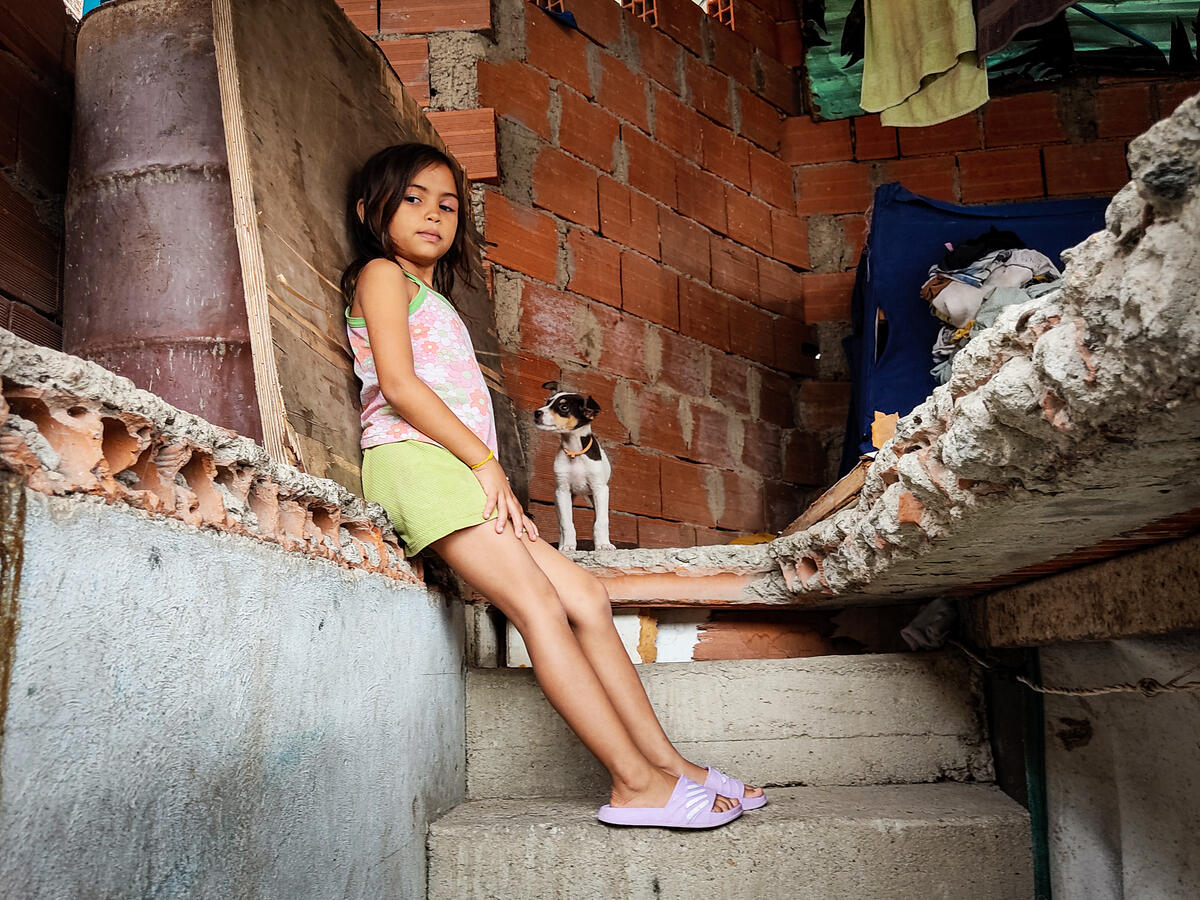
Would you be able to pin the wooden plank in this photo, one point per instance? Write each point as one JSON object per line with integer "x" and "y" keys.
{"x": 471, "y": 136}
{"x": 844, "y": 491}
{"x": 306, "y": 99}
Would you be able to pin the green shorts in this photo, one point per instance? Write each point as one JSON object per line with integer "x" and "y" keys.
{"x": 427, "y": 491}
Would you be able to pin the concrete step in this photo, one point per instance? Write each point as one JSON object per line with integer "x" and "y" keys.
{"x": 847, "y": 720}
{"x": 896, "y": 841}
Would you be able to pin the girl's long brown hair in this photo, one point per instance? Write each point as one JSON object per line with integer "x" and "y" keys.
{"x": 380, "y": 185}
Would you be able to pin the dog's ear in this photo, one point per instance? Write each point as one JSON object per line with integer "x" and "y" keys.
{"x": 591, "y": 408}
{"x": 551, "y": 386}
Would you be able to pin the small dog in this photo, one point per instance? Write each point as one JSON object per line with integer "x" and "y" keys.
{"x": 581, "y": 466}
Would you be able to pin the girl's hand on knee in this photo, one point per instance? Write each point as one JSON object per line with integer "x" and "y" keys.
{"x": 500, "y": 497}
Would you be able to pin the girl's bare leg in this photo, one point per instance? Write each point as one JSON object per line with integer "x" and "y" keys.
{"x": 590, "y": 614}
{"x": 501, "y": 568}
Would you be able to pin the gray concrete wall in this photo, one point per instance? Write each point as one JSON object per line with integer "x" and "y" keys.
{"x": 1123, "y": 772}
{"x": 196, "y": 714}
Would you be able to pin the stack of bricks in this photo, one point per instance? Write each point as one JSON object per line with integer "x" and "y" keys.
{"x": 37, "y": 57}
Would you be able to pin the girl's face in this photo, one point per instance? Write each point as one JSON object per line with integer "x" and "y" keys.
{"x": 426, "y": 221}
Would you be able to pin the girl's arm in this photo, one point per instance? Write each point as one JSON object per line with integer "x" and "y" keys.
{"x": 384, "y": 293}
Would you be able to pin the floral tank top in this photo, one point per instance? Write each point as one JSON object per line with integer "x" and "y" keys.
{"x": 443, "y": 358}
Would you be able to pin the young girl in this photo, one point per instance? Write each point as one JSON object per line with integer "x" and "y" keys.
{"x": 429, "y": 458}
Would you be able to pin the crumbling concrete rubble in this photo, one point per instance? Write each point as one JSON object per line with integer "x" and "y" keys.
{"x": 1073, "y": 419}
{"x": 69, "y": 426}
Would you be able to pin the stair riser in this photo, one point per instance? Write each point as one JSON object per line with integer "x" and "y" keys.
{"x": 842, "y": 720}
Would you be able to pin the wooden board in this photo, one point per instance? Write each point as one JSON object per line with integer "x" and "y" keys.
{"x": 845, "y": 490}
{"x": 306, "y": 99}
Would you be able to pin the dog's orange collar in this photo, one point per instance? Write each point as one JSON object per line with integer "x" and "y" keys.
{"x": 575, "y": 453}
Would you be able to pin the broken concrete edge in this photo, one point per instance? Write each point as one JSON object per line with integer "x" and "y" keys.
{"x": 1032, "y": 403}
{"x": 72, "y": 427}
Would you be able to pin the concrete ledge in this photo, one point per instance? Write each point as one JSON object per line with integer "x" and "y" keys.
{"x": 69, "y": 426}
{"x": 908, "y": 842}
{"x": 826, "y": 720}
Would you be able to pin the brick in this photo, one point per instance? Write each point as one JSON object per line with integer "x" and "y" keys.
{"x": 833, "y": 188}
{"x": 781, "y": 288}
{"x": 524, "y": 375}
{"x": 730, "y": 381}
{"x": 586, "y": 130}
{"x": 749, "y": 220}
{"x": 732, "y": 54}
{"x": 622, "y": 92}
{"x": 708, "y": 90}
{"x": 40, "y": 35}
{"x": 775, "y": 399}
{"x": 827, "y": 296}
{"x": 595, "y": 268}
{"x": 649, "y": 290}
{"x": 789, "y": 238}
{"x": 1098, "y": 168}
{"x": 761, "y": 122}
{"x": 962, "y": 133}
{"x": 762, "y": 448}
{"x": 734, "y": 270}
{"x": 680, "y": 20}
{"x": 710, "y": 437}
{"x": 806, "y": 142}
{"x": 804, "y": 460}
{"x": 823, "y": 404}
{"x": 1024, "y": 119}
{"x": 658, "y": 53}
{"x": 757, "y": 25}
{"x": 651, "y": 165}
{"x": 791, "y": 42}
{"x": 988, "y": 175}
{"x": 622, "y": 341}
{"x": 931, "y": 176}
{"x": 685, "y": 492}
{"x": 726, "y": 155}
{"x": 363, "y": 13}
{"x": 779, "y": 86}
{"x": 704, "y": 313}
{"x": 628, "y": 218}
{"x": 636, "y": 486}
{"x": 855, "y": 229}
{"x": 406, "y": 17}
{"x": 743, "y": 504}
{"x": 656, "y": 534}
{"x": 795, "y": 346}
{"x": 409, "y": 59}
{"x": 517, "y": 92}
{"x": 520, "y": 238}
{"x": 557, "y": 50}
{"x": 873, "y": 140}
{"x": 566, "y": 186}
{"x": 701, "y": 195}
{"x": 1123, "y": 110}
{"x": 676, "y": 125}
{"x": 683, "y": 364}
{"x": 658, "y": 423}
{"x": 550, "y": 321}
{"x": 684, "y": 245}
{"x": 1171, "y": 94}
{"x": 470, "y": 135}
{"x": 771, "y": 180}
{"x": 752, "y": 333}
{"x": 598, "y": 19}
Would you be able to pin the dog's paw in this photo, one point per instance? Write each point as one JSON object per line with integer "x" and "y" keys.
{"x": 605, "y": 546}
{"x": 566, "y": 546}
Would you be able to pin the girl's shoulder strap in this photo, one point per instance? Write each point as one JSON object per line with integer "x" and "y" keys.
{"x": 422, "y": 291}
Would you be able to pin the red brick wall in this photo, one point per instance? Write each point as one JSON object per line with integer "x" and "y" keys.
{"x": 37, "y": 53}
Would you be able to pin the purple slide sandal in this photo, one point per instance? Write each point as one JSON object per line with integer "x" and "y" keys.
{"x": 732, "y": 788}
{"x": 690, "y": 806}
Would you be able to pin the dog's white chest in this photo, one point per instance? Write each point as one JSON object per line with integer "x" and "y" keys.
{"x": 581, "y": 474}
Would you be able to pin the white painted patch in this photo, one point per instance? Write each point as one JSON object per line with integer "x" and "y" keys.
{"x": 678, "y": 633}
{"x": 629, "y": 629}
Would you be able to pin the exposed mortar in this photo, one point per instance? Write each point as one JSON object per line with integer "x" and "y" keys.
{"x": 453, "y": 64}
{"x": 69, "y": 426}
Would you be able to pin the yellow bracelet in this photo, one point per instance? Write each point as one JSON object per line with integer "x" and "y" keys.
{"x": 484, "y": 460}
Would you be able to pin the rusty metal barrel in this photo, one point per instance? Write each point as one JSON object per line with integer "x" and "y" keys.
{"x": 152, "y": 284}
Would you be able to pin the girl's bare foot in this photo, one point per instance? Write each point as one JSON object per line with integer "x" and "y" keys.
{"x": 655, "y": 793}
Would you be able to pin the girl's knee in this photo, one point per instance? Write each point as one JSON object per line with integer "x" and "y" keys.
{"x": 536, "y": 608}
{"x": 590, "y": 604}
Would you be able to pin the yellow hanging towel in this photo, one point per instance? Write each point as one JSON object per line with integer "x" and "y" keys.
{"x": 919, "y": 65}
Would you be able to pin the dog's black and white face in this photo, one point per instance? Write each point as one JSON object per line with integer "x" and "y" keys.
{"x": 564, "y": 411}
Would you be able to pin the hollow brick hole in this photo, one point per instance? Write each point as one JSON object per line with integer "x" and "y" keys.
{"x": 199, "y": 474}
{"x": 77, "y": 449}
{"x": 121, "y": 449}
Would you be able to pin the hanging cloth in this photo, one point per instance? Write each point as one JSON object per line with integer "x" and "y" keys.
{"x": 920, "y": 66}
{"x": 998, "y": 21}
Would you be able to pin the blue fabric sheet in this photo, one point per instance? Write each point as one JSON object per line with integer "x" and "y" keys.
{"x": 908, "y": 235}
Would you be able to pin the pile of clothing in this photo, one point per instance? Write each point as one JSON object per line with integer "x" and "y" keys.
{"x": 973, "y": 282}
